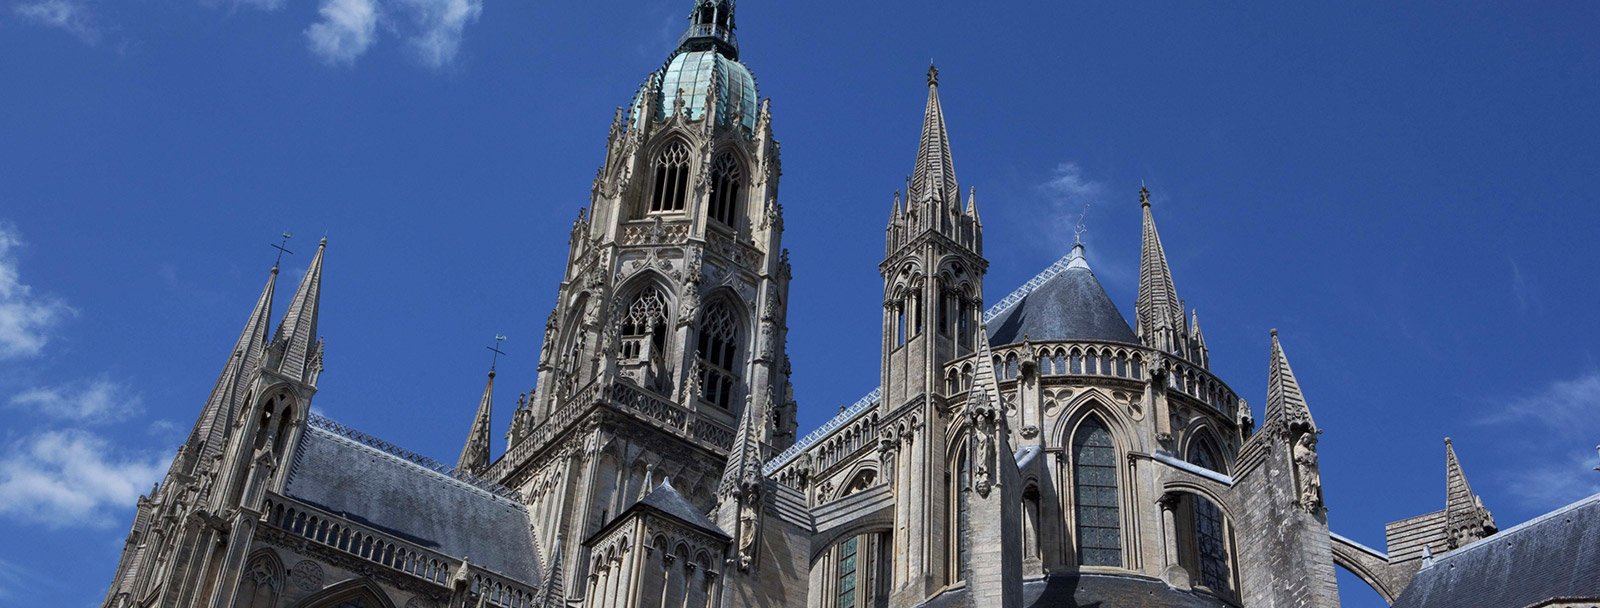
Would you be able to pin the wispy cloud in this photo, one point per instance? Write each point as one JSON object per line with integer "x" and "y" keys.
{"x": 72, "y": 478}
{"x": 72, "y": 16}
{"x": 25, "y": 317}
{"x": 347, "y": 29}
{"x": 96, "y": 401}
{"x": 440, "y": 26}
{"x": 1562, "y": 414}
{"x": 1566, "y": 406}
{"x": 1527, "y": 297}
{"x": 260, "y": 5}
{"x": 1071, "y": 193}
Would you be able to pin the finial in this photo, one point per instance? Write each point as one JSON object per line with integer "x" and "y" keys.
{"x": 1144, "y": 194}
{"x": 1077, "y": 231}
{"x": 1274, "y": 332}
{"x": 1447, "y": 441}
{"x": 281, "y": 247}
{"x": 933, "y": 74}
{"x": 495, "y": 358}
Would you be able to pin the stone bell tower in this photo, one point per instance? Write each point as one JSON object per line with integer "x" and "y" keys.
{"x": 933, "y": 296}
{"x": 670, "y": 320}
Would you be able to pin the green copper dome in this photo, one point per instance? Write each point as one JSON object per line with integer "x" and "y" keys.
{"x": 707, "y": 55}
{"x": 691, "y": 74}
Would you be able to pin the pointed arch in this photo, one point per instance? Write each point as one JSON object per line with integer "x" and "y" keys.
{"x": 353, "y": 593}
{"x": 643, "y": 317}
{"x": 261, "y": 584}
{"x": 1096, "y": 489}
{"x": 728, "y": 180}
{"x": 671, "y": 161}
{"x": 721, "y": 346}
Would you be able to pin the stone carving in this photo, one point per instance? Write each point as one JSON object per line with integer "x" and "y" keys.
{"x": 1306, "y": 472}
{"x": 306, "y": 575}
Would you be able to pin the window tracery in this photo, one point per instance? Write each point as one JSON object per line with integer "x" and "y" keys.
{"x": 668, "y": 188}
{"x": 717, "y": 348}
{"x": 727, "y": 178}
{"x": 1098, "y": 510}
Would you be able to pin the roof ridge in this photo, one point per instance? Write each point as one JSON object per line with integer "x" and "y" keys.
{"x": 364, "y": 440}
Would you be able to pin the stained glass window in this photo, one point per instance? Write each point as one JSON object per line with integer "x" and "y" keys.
{"x": 847, "y": 574}
{"x": 1208, "y": 531}
{"x": 1094, "y": 477}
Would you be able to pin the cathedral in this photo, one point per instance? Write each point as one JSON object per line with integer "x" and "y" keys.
{"x": 1035, "y": 449}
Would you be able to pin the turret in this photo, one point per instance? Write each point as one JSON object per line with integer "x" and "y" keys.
{"x": 475, "y": 454}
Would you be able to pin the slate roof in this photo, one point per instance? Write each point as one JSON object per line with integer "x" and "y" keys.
{"x": 1070, "y": 306}
{"x": 1554, "y": 556}
{"x": 1094, "y": 591}
{"x": 414, "y": 503}
{"x": 666, "y": 499}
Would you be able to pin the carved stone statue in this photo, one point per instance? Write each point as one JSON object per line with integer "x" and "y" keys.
{"x": 1306, "y": 472}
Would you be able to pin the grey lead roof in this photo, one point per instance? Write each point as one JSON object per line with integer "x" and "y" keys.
{"x": 1070, "y": 306}
{"x": 1554, "y": 556}
{"x": 668, "y": 500}
{"x": 422, "y": 506}
{"x": 1094, "y": 591}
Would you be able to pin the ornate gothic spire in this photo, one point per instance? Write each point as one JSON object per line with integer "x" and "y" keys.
{"x": 475, "y": 454}
{"x": 934, "y": 178}
{"x": 296, "y": 351}
{"x": 1159, "y": 311}
{"x": 1286, "y": 404}
{"x": 210, "y": 432}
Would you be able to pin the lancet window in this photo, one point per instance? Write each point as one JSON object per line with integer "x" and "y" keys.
{"x": 670, "y": 184}
{"x": 1211, "y": 549}
{"x": 717, "y": 347}
{"x": 727, "y": 180}
{"x": 1098, "y": 510}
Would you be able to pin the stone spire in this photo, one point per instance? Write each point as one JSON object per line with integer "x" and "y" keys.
{"x": 1159, "y": 310}
{"x": 1286, "y": 404}
{"x": 296, "y": 351}
{"x": 933, "y": 181}
{"x": 744, "y": 459}
{"x": 1466, "y": 518}
{"x": 211, "y": 431}
{"x": 475, "y": 454}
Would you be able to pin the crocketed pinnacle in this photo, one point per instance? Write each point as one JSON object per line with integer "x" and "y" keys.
{"x": 1159, "y": 309}
{"x": 475, "y": 454}
{"x": 1286, "y": 403}
{"x": 210, "y": 431}
{"x": 744, "y": 459}
{"x": 296, "y": 351}
{"x": 934, "y": 177}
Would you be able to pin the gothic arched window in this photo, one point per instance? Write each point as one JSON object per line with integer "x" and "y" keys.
{"x": 644, "y": 327}
{"x": 671, "y": 178}
{"x": 847, "y": 574}
{"x": 1212, "y": 552}
{"x": 262, "y": 580}
{"x": 1094, "y": 479}
{"x": 717, "y": 347}
{"x": 727, "y": 179}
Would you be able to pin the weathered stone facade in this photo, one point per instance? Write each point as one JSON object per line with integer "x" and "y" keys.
{"x": 1041, "y": 452}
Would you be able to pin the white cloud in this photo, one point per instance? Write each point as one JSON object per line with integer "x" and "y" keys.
{"x": 25, "y": 318}
{"x": 70, "y": 15}
{"x": 442, "y": 23}
{"x": 1071, "y": 195}
{"x": 1557, "y": 483}
{"x": 97, "y": 401}
{"x": 347, "y": 29}
{"x": 72, "y": 479}
{"x": 1568, "y": 406}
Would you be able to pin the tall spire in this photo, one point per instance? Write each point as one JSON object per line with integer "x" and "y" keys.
{"x": 1286, "y": 404}
{"x": 934, "y": 178}
{"x": 475, "y": 454}
{"x": 1159, "y": 311}
{"x": 296, "y": 351}
{"x": 210, "y": 432}
{"x": 1466, "y": 518}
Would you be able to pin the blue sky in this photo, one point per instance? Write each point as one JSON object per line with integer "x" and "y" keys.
{"x": 1405, "y": 191}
